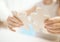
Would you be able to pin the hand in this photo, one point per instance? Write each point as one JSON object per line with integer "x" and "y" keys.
{"x": 53, "y": 26}
{"x": 14, "y": 22}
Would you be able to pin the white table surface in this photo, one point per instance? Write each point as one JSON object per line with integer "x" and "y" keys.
{"x": 9, "y": 36}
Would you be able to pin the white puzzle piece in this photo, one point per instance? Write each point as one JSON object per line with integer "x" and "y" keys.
{"x": 38, "y": 18}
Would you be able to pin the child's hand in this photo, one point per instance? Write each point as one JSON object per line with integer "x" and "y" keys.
{"x": 14, "y": 22}
{"x": 53, "y": 26}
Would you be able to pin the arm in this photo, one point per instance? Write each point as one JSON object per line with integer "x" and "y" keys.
{"x": 4, "y": 13}
{"x": 31, "y": 10}
{"x": 58, "y": 11}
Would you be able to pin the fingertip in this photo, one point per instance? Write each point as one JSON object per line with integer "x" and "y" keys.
{"x": 11, "y": 28}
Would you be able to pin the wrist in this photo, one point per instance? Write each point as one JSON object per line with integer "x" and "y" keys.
{"x": 3, "y": 24}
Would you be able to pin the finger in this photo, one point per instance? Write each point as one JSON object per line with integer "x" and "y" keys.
{"x": 16, "y": 14}
{"x": 48, "y": 27}
{"x": 11, "y": 28}
{"x": 48, "y": 22}
{"x": 52, "y": 28}
{"x": 53, "y": 32}
{"x": 14, "y": 20}
{"x": 18, "y": 19}
{"x": 56, "y": 30}
{"x": 56, "y": 20}
{"x": 56, "y": 25}
{"x": 14, "y": 24}
{"x": 52, "y": 21}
